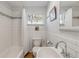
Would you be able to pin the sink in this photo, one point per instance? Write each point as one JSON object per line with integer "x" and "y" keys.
{"x": 48, "y": 52}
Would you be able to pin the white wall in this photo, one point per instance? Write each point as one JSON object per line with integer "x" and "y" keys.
{"x": 75, "y": 22}
{"x": 75, "y": 13}
{"x": 24, "y": 32}
{"x": 5, "y": 27}
{"x": 27, "y": 43}
{"x": 36, "y": 34}
{"x": 31, "y": 28}
{"x": 10, "y": 29}
{"x": 16, "y": 28}
{"x": 55, "y": 35}
{"x": 5, "y": 8}
{"x": 53, "y": 25}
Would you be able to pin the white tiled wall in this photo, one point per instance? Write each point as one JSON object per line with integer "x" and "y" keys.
{"x": 24, "y": 33}
{"x": 55, "y": 35}
{"x": 31, "y": 32}
{"x": 16, "y": 28}
{"x": 9, "y": 28}
{"x": 31, "y": 28}
{"x": 36, "y": 34}
{"x": 5, "y": 27}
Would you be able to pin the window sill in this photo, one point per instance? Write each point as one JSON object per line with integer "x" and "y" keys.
{"x": 36, "y": 24}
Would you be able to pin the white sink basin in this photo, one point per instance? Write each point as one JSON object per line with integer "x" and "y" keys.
{"x": 48, "y": 52}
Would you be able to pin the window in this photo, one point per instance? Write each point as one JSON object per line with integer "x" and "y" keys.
{"x": 35, "y": 19}
{"x": 62, "y": 19}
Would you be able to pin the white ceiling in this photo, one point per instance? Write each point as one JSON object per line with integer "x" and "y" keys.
{"x": 69, "y": 3}
{"x": 27, "y": 3}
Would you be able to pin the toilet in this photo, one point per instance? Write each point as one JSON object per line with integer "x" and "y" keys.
{"x": 37, "y": 42}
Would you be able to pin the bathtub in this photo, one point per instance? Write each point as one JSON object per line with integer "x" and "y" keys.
{"x": 12, "y": 52}
{"x": 46, "y": 52}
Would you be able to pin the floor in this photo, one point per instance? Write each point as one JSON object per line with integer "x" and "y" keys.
{"x": 29, "y": 55}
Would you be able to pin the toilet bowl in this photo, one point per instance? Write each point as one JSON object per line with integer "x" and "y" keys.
{"x": 36, "y": 42}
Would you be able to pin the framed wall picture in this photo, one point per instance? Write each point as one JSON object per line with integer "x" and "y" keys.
{"x": 53, "y": 14}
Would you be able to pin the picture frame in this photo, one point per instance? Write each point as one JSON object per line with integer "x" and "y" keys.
{"x": 53, "y": 14}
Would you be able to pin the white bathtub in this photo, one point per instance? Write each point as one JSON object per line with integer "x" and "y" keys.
{"x": 12, "y": 52}
{"x": 46, "y": 52}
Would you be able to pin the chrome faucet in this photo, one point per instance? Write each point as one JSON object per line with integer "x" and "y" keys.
{"x": 49, "y": 43}
{"x": 64, "y": 51}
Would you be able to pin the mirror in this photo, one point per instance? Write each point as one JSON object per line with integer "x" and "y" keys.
{"x": 53, "y": 14}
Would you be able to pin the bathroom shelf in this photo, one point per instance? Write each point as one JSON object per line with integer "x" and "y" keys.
{"x": 69, "y": 29}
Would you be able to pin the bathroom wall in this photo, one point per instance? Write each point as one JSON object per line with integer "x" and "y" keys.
{"x": 16, "y": 26}
{"x": 31, "y": 28}
{"x": 24, "y": 32}
{"x": 52, "y": 27}
{"x": 55, "y": 35}
{"x": 75, "y": 21}
{"x": 36, "y": 34}
{"x": 10, "y": 29}
{"x": 5, "y": 27}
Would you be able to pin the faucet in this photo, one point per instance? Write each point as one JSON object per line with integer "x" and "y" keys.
{"x": 65, "y": 53}
{"x": 49, "y": 43}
